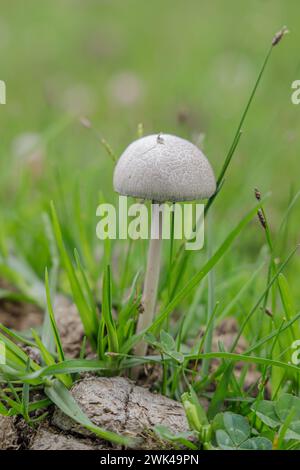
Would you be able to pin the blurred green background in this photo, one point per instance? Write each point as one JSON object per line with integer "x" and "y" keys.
{"x": 178, "y": 67}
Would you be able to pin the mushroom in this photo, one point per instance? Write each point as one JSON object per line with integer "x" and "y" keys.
{"x": 161, "y": 168}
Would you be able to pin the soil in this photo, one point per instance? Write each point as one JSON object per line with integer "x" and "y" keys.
{"x": 18, "y": 315}
{"x": 8, "y": 433}
{"x": 69, "y": 325}
{"x": 49, "y": 438}
{"x": 21, "y": 316}
{"x": 226, "y": 333}
{"x": 116, "y": 404}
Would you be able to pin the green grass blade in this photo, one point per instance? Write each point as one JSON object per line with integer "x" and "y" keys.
{"x": 70, "y": 366}
{"x": 273, "y": 334}
{"x": 16, "y": 354}
{"x": 18, "y": 338}
{"x": 47, "y": 336}
{"x": 262, "y": 296}
{"x": 25, "y": 396}
{"x": 205, "y": 269}
{"x": 55, "y": 331}
{"x": 113, "y": 342}
{"x": 90, "y": 322}
{"x": 46, "y": 355}
{"x": 240, "y": 293}
{"x": 89, "y": 293}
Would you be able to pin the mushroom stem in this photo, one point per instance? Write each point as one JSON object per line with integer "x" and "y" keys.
{"x": 151, "y": 278}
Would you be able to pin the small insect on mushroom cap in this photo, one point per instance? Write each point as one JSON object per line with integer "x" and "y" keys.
{"x": 164, "y": 168}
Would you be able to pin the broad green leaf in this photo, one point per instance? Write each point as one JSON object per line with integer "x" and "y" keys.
{"x": 178, "y": 356}
{"x": 223, "y": 440}
{"x": 191, "y": 412}
{"x": 167, "y": 341}
{"x": 283, "y": 414}
{"x": 266, "y": 412}
{"x": 293, "y": 431}
{"x": 285, "y": 404}
{"x": 256, "y": 443}
{"x": 233, "y": 433}
{"x": 237, "y": 427}
{"x": 192, "y": 397}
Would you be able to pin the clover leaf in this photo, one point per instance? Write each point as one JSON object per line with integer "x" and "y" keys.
{"x": 233, "y": 432}
{"x": 275, "y": 413}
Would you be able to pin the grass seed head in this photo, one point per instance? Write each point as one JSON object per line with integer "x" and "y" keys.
{"x": 262, "y": 219}
{"x": 279, "y": 35}
{"x": 257, "y": 194}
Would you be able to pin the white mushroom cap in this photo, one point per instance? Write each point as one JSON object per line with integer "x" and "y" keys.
{"x": 164, "y": 168}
